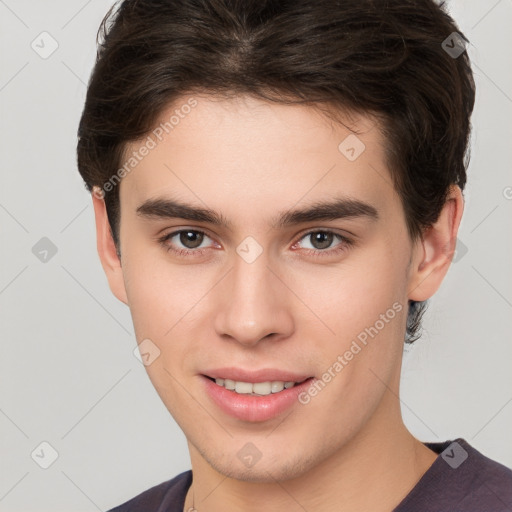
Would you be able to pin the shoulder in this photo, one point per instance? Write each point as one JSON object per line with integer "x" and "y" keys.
{"x": 461, "y": 479}
{"x": 491, "y": 482}
{"x": 167, "y": 496}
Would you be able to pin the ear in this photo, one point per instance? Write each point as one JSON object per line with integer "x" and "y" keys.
{"x": 106, "y": 248}
{"x": 433, "y": 253}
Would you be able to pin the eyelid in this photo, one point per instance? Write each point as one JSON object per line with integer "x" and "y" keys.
{"x": 344, "y": 234}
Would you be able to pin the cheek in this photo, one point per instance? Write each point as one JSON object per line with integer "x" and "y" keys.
{"x": 162, "y": 299}
{"x": 353, "y": 295}
{"x": 364, "y": 303}
{"x": 160, "y": 293}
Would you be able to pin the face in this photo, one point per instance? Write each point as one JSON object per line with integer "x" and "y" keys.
{"x": 256, "y": 293}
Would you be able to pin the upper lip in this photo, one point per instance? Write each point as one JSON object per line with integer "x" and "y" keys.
{"x": 262, "y": 375}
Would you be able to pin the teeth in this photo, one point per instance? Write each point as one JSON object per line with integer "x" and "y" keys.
{"x": 256, "y": 388}
{"x": 277, "y": 386}
{"x": 243, "y": 387}
{"x": 262, "y": 388}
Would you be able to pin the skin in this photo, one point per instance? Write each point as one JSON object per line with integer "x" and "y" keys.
{"x": 250, "y": 160}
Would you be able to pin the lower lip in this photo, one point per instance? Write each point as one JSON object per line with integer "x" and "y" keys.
{"x": 250, "y": 407}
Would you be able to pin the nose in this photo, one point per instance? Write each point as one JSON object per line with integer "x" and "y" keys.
{"x": 254, "y": 303}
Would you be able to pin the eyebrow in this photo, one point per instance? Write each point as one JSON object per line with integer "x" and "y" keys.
{"x": 339, "y": 208}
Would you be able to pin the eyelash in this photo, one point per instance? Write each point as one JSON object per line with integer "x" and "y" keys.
{"x": 317, "y": 253}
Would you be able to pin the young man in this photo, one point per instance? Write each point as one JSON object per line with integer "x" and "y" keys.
{"x": 277, "y": 188}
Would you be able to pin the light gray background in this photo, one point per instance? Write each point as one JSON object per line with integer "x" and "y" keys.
{"x": 68, "y": 373}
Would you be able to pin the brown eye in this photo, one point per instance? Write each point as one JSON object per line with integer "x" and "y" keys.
{"x": 320, "y": 243}
{"x": 321, "y": 239}
{"x": 191, "y": 239}
{"x": 185, "y": 242}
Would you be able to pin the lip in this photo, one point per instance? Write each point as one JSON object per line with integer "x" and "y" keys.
{"x": 263, "y": 375}
{"x": 254, "y": 408}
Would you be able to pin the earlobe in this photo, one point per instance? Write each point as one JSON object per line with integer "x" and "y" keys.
{"x": 107, "y": 250}
{"x": 433, "y": 253}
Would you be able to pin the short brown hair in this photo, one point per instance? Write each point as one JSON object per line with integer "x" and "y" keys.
{"x": 384, "y": 58}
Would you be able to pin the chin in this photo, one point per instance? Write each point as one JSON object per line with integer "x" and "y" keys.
{"x": 278, "y": 467}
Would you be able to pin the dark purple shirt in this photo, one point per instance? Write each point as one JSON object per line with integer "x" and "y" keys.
{"x": 461, "y": 479}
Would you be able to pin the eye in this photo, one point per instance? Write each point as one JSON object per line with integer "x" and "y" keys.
{"x": 321, "y": 241}
{"x": 184, "y": 242}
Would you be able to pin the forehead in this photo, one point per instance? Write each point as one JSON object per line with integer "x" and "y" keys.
{"x": 257, "y": 155}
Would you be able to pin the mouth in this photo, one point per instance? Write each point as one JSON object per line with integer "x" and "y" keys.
{"x": 252, "y": 401}
{"x": 255, "y": 388}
